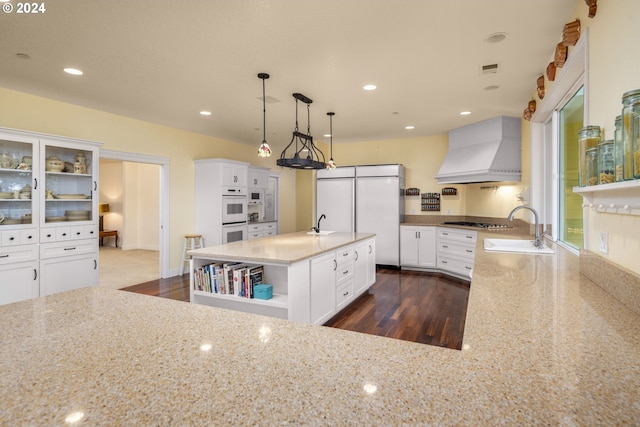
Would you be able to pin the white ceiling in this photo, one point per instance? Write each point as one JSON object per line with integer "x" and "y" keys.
{"x": 163, "y": 61}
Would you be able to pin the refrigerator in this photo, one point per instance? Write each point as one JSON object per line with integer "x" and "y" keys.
{"x": 365, "y": 199}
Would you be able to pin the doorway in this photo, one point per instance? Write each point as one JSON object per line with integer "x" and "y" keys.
{"x": 159, "y": 201}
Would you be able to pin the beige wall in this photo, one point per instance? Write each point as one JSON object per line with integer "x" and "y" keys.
{"x": 141, "y": 206}
{"x": 27, "y": 112}
{"x": 613, "y": 68}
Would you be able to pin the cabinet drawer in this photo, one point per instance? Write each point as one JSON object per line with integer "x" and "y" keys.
{"x": 254, "y": 235}
{"x": 344, "y": 294}
{"x": 255, "y": 227}
{"x": 28, "y": 236}
{"x": 18, "y": 254}
{"x": 10, "y": 237}
{"x": 454, "y": 265}
{"x": 90, "y": 231}
{"x": 452, "y": 247}
{"x": 270, "y": 232}
{"x": 344, "y": 255}
{"x": 344, "y": 272}
{"x": 68, "y": 248}
{"x": 457, "y": 235}
{"x": 47, "y": 235}
{"x": 270, "y": 226}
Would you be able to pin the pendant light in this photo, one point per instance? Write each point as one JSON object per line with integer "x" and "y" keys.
{"x": 331, "y": 164}
{"x": 264, "y": 150}
{"x": 314, "y": 158}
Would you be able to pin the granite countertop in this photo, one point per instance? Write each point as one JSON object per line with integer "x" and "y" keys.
{"x": 281, "y": 248}
{"x": 543, "y": 345}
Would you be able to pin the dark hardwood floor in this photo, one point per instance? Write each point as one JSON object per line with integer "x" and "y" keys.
{"x": 414, "y": 306}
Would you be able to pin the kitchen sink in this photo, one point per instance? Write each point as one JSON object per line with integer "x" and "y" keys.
{"x": 320, "y": 233}
{"x": 512, "y": 245}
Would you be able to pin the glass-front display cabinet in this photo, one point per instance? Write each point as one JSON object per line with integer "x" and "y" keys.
{"x": 18, "y": 177}
{"x": 68, "y": 183}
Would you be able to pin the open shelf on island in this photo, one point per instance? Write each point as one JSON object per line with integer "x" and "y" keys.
{"x": 277, "y": 300}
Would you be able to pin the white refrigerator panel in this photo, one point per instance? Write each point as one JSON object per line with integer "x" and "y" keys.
{"x": 378, "y": 211}
{"x": 335, "y": 198}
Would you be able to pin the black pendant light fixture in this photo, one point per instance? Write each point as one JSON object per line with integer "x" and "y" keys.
{"x": 331, "y": 164}
{"x": 264, "y": 150}
{"x": 304, "y": 154}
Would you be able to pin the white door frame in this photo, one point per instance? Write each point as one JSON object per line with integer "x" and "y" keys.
{"x": 163, "y": 162}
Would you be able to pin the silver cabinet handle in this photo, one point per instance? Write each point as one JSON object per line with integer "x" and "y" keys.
{"x": 357, "y": 256}
{"x": 35, "y": 183}
{"x": 335, "y": 265}
{"x": 70, "y": 249}
{"x": 468, "y": 268}
{"x": 35, "y": 274}
{"x": 469, "y": 250}
{"x": 345, "y": 294}
{"x": 444, "y": 262}
{"x": 4, "y": 256}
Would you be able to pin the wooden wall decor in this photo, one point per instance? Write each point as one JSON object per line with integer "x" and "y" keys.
{"x": 541, "y": 87}
{"x": 526, "y": 114}
{"x": 593, "y": 7}
{"x": 561, "y": 55}
{"x": 571, "y": 33}
{"x": 551, "y": 71}
{"x": 532, "y": 106}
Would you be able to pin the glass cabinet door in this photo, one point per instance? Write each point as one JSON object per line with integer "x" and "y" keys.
{"x": 17, "y": 181}
{"x": 68, "y": 184}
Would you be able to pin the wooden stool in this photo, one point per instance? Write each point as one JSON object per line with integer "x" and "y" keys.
{"x": 191, "y": 241}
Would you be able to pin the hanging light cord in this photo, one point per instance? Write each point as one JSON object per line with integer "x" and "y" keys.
{"x": 264, "y": 115}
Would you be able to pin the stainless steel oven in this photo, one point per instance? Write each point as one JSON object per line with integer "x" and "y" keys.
{"x": 234, "y": 209}
{"x": 234, "y": 232}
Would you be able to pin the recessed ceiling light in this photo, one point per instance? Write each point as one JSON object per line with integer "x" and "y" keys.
{"x": 327, "y": 135}
{"x": 409, "y": 127}
{"x": 492, "y": 87}
{"x": 369, "y": 87}
{"x": 205, "y": 113}
{"x": 496, "y": 37}
{"x": 465, "y": 113}
{"x": 73, "y": 71}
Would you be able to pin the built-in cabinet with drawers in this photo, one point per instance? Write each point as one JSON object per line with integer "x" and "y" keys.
{"x": 443, "y": 249}
{"x": 48, "y": 214}
{"x": 262, "y": 229}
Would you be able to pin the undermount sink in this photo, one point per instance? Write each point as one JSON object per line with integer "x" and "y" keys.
{"x": 320, "y": 233}
{"x": 511, "y": 245}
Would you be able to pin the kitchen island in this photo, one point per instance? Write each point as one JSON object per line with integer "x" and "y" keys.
{"x": 543, "y": 345}
{"x": 313, "y": 276}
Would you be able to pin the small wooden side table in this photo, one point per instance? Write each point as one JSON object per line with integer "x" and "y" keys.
{"x": 108, "y": 233}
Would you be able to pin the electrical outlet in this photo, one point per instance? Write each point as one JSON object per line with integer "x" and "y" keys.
{"x": 604, "y": 242}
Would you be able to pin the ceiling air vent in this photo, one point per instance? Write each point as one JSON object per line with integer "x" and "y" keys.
{"x": 489, "y": 69}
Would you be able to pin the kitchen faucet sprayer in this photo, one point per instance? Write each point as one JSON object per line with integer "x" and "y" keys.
{"x": 538, "y": 242}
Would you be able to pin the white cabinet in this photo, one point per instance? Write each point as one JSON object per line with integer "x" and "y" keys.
{"x": 418, "y": 246}
{"x": 364, "y": 272}
{"x": 48, "y": 189}
{"x": 69, "y": 265}
{"x": 456, "y": 251}
{"x": 18, "y": 273}
{"x": 234, "y": 174}
{"x": 258, "y": 177}
{"x": 323, "y": 288}
{"x": 263, "y": 229}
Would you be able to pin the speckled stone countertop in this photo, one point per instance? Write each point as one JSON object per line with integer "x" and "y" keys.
{"x": 281, "y": 248}
{"x": 543, "y": 345}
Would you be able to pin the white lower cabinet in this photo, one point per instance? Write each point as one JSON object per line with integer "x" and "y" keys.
{"x": 323, "y": 285}
{"x": 418, "y": 246}
{"x": 68, "y": 265}
{"x": 264, "y": 229}
{"x": 456, "y": 251}
{"x": 364, "y": 271}
{"x": 18, "y": 273}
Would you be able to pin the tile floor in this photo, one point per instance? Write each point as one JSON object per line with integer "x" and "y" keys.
{"x": 119, "y": 269}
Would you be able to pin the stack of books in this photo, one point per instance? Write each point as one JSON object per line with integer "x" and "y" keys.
{"x": 230, "y": 278}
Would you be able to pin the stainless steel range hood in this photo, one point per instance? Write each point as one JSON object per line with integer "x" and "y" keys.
{"x": 483, "y": 152}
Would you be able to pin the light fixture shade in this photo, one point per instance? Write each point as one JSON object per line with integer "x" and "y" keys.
{"x": 264, "y": 150}
{"x": 291, "y": 156}
{"x": 103, "y": 208}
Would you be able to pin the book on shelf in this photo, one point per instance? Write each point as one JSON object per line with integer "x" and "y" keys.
{"x": 232, "y": 278}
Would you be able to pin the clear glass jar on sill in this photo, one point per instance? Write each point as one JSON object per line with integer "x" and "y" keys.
{"x": 606, "y": 162}
{"x": 588, "y": 137}
{"x": 630, "y": 105}
{"x": 618, "y": 149}
{"x": 591, "y": 166}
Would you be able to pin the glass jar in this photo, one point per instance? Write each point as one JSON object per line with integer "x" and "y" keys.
{"x": 588, "y": 138}
{"x": 630, "y": 103}
{"x": 618, "y": 149}
{"x": 635, "y": 140}
{"x": 606, "y": 162}
{"x": 591, "y": 166}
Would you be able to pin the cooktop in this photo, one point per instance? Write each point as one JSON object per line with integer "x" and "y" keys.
{"x": 477, "y": 224}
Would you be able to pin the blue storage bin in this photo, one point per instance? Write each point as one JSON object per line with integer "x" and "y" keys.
{"x": 263, "y": 291}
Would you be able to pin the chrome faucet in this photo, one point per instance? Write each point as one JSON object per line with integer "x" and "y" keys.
{"x": 317, "y": 229}
{"x": 538, "y": 242}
